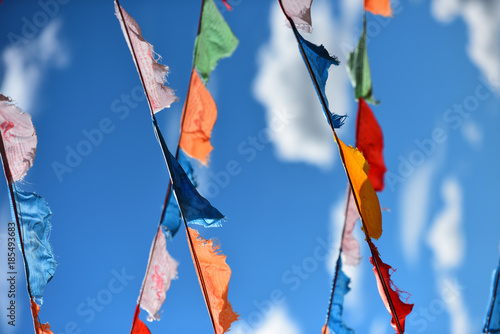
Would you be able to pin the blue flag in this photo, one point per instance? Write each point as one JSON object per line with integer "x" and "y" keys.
{"x": 320, "y": 61}
{"x": 172, "y": 219}
{"x": 34, "y": 215}
{"x": 194, "y": 208}
{"x": 341, "y": 287}
{"x": 492, "y": 319}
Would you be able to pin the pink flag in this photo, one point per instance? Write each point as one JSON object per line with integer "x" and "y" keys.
{"x": 19, "y": 138}
{"x": 350, "y": 246}
{"x": 162, "y": 270}
{"x": 153, "y": 73}
{"x": 300, "y": 12}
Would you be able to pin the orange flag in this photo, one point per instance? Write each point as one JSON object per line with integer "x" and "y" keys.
{"x": 215, "y": 280}
{"x": 379, "y": 7}
{"x": 200, "y": 113}
{"x": 357, "y": 171}
{"x": 39, "y": 328}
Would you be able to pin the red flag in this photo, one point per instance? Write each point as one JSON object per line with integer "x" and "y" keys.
{"x": 370, "y": 141}
{"x": 140, "y": 327}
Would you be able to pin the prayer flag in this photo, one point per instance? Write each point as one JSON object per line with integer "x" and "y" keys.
{"x": 300, "y": 13}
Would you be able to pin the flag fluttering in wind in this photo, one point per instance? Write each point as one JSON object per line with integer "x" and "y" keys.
{"x": 384, "y": 282}
{"x": 379, "y": 7}
{"x": 350, "y": 246}
{"x": 319, "y": 61}
{"x": 39, "y": 328}
{"x": 300, "y": 13}
{"x": 492, "y": 318}
{"x": 335, "y": 324}
{"x": 172, "y": 220}
{"x": 157, "y": 280}
{"x": 151, "y": 71}
{"x": 214, "y": 275}
{"x": 34, "y": 215}
{"x": 200, "y": 114}
{"x": 214, "y": 41}
{"x": 194, "y": 208}
{"x": 19, "y": 138}
{"x": 370, "y": 141}
{"x": 139, "y": 327}
{"x": 358, "y": 68}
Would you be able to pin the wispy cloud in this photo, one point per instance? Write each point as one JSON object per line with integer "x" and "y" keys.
{"x": 482, "y": 19}
{"x": 472, "y": 134}
{"x": 414, "y": 210}
{"x": 276, "y": 322}
{"x": 283, "y": 85}
{"x": 446, "y": 237}
{"x": 26, "y": 64}
{"x": 455, "y": 307}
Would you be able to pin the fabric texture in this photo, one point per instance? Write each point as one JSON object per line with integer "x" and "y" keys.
{"x": 341, "y": 288}
{"x": 39, "y": 328}
{"x": 300, "y": 13}
{"x": 350, "y": 246}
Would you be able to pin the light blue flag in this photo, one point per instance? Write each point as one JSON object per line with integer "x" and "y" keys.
{"x": 34, "y": 215}
{"x": 341, "y": 287}
{"x": 320, "y": 61}
{"x": 195, "y": 209}
{"x": 492, "y": 319}
{"x": 172, "y": 219}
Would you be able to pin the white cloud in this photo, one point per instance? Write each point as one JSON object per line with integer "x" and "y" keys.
{"x": 446, "y": 237}
{"x": 483, "y": 21}
{"x": 472, "y": 134}
{"x": 379, "y": 326}
{"x": 283, "y": 85}
{"x": 455, "y": 306}
{"x": 26, "y": 64}
{"x": 414, "y": 209}
{"x": 276, "y": 322}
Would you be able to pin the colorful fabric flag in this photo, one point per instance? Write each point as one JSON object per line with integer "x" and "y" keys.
{"x": 379, "y": 7}
{"x": 215, "y": 278}
{"x": 214, "y": 41}
{"x": 358, "y": 68}
{"x": 228, "y": 6}
{"x": 402, "y": 309}
{"x": 172, "y": 219}
{"x": 39, "y": 328}
{"x": 152, "y": 73}
{"x": 140, "y": 327}
{"x": 194, "y": 208}
{"x": 492, "y": 318}
{"x": 200, "y": 114}
{"x": 19, "y": 138}
{"x": 319, "y": 60}
{"x": 350, "y": 246}
{"x": 341, "y": 288}
{"x": 34, "y": 215}
{"x": 300, "y": 13}
{"x": 357, "y": 169}
{"x": 370, "y": 141}
{"x": 162, "y": 270}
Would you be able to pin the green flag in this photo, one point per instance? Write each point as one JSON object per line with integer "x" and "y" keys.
{"x": 215, "y": 40}
{"x": 358, "y": 68}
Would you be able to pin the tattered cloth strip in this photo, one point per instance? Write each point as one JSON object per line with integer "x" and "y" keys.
{"x": 34, "y": 215}
{"x": 492, "y": 318}
{"x": 319, "y": 61}
{"x": 370, "y": 141}
{"x": 162, "y": 270}
{"x": 300, "y": 12}
{"x": 152, "y": 73}
{"x": 341, "y": 288}
{"x": 194, "y": 208}
{"x": 200, "y": 114}
{"x": 215, "y": 278}
{"x": 402, "y": 308}
{"x": 358, "y": 68}
{"x": 379, "y": 7}
{"x": 19, "y": 138}
{"x": 140, "y": 327}
{"x": 172, "y": 219}
{"x": 350, "y": 246}
{"x": 214, "y": 41}
{"x": 39, "y": 328}
{"x": 357, "y": 170}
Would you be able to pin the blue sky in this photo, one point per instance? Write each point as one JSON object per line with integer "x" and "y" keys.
{"x": 435, "y": 68}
